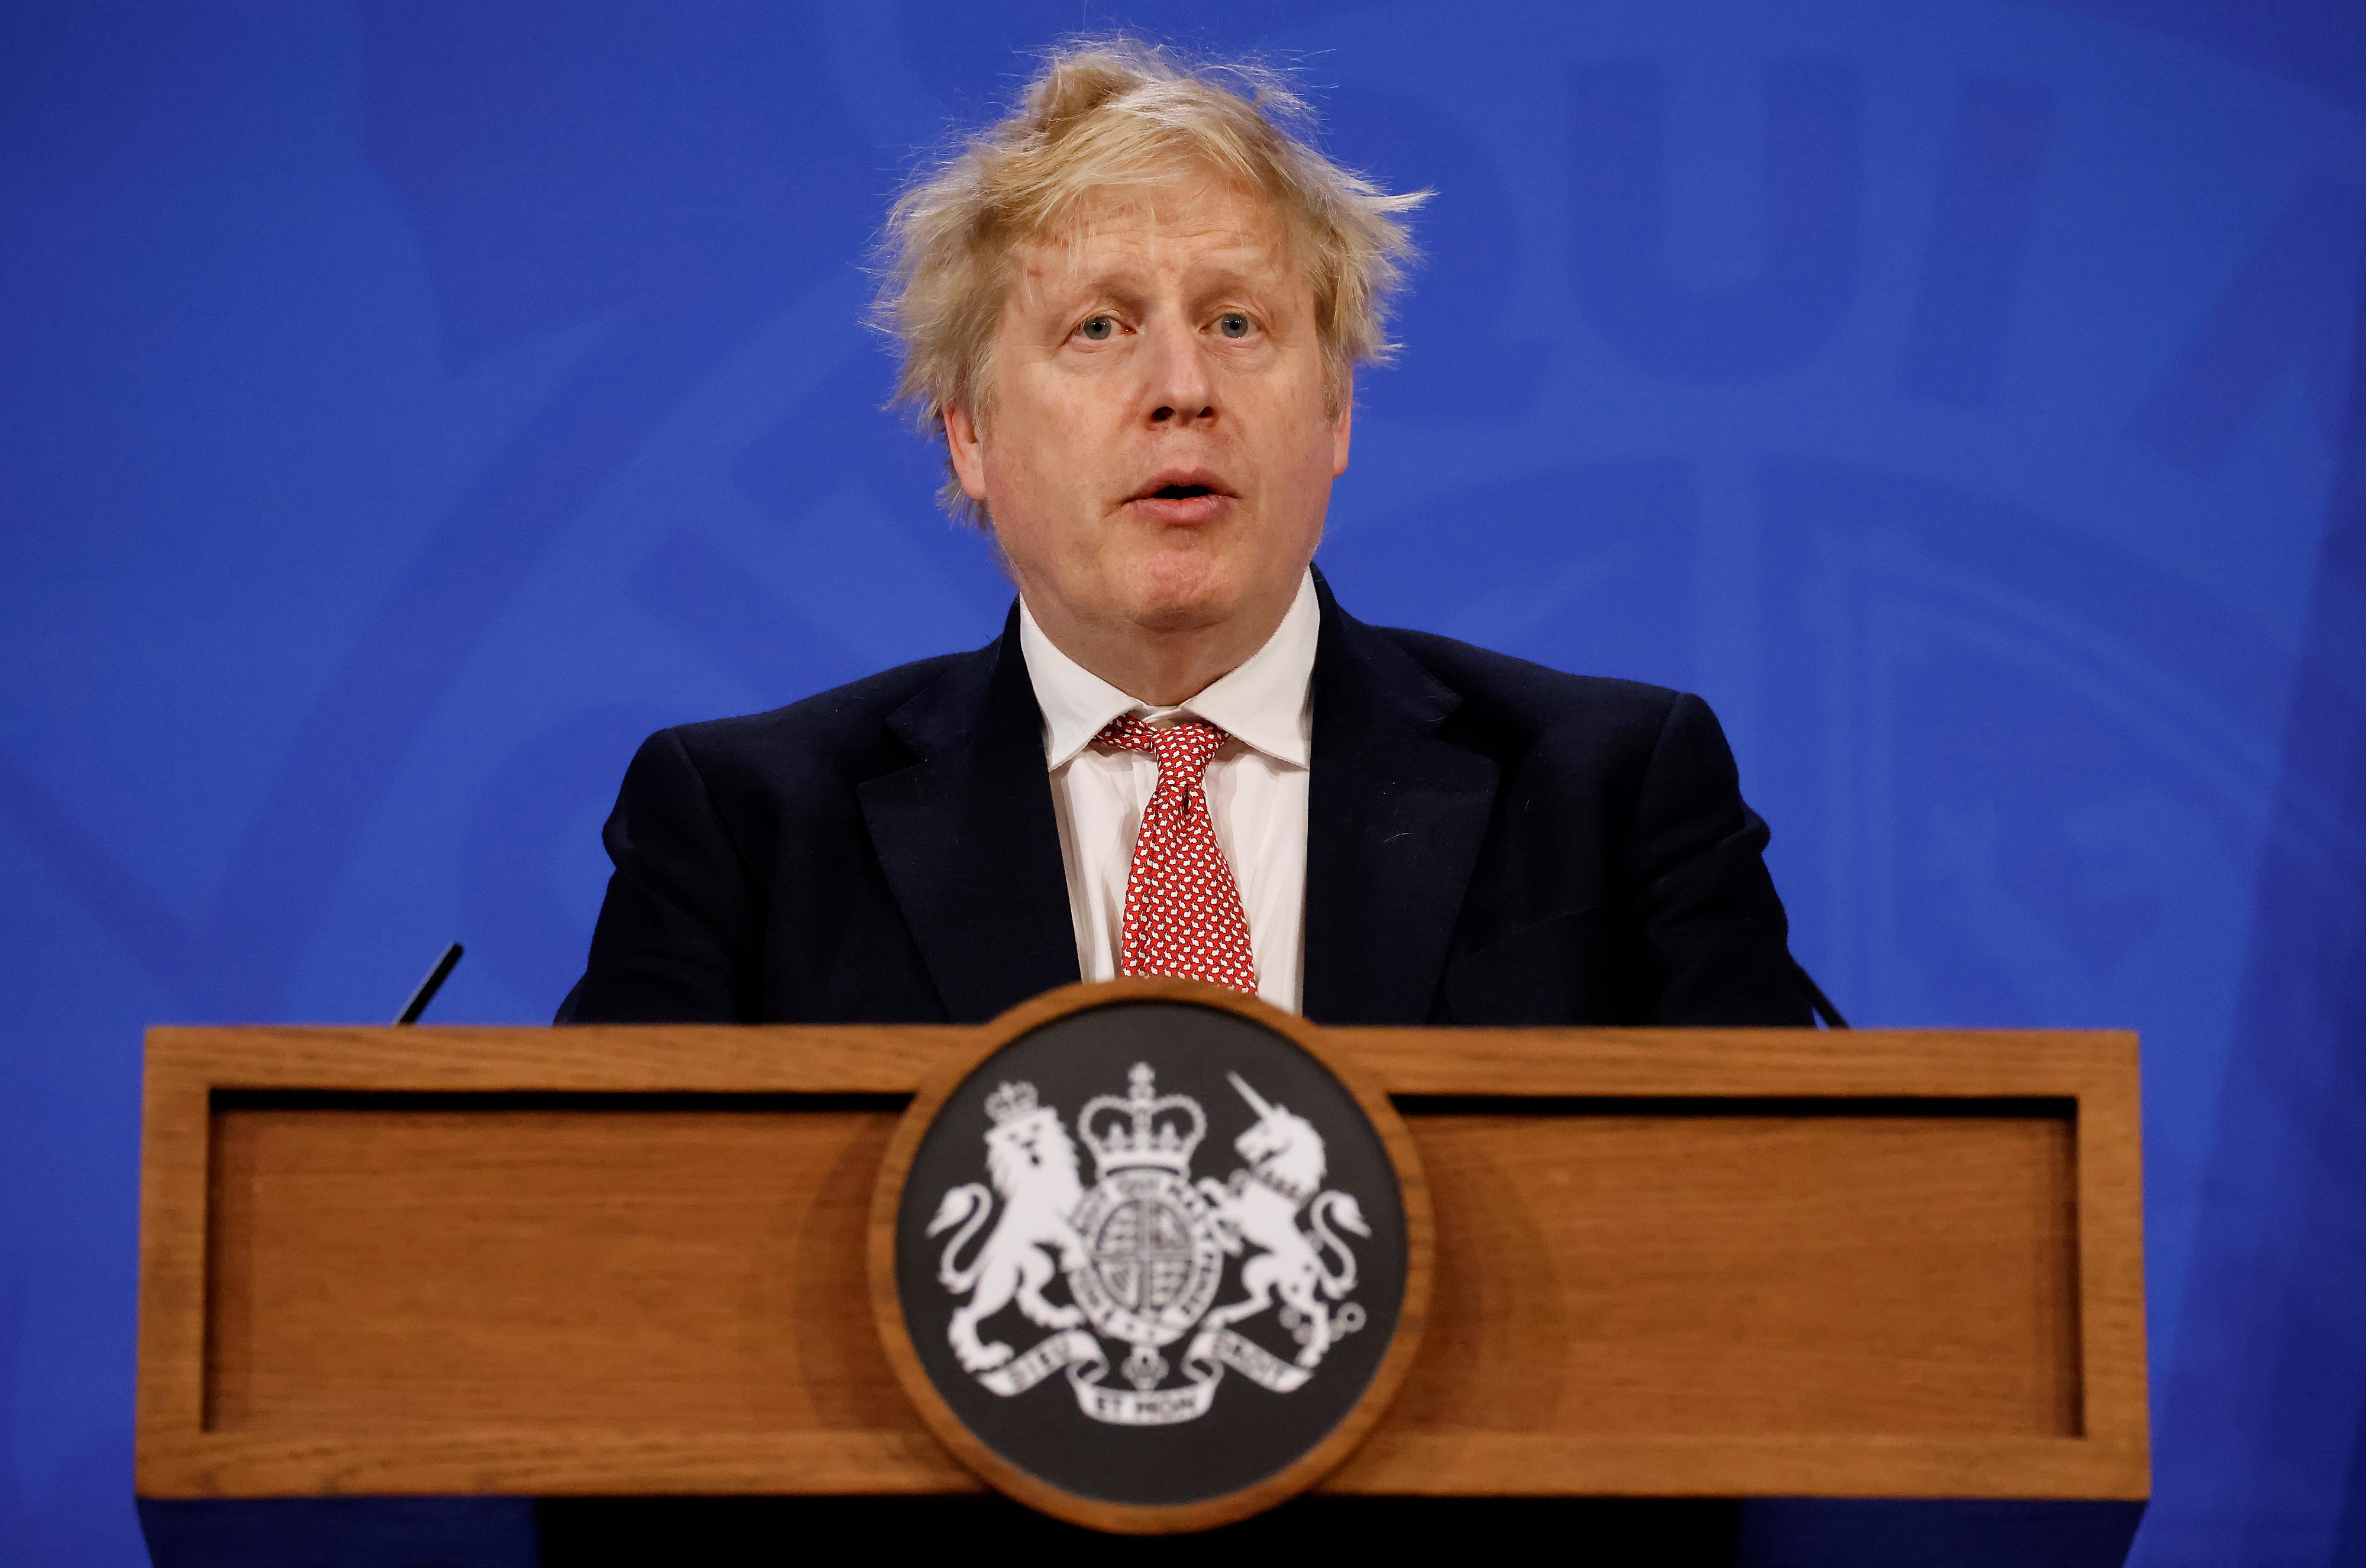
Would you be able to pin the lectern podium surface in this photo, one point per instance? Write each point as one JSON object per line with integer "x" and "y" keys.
{"x": 610, "y": 1261}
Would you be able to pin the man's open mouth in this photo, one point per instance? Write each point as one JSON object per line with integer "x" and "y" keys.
{"x": 1181, "y": 492}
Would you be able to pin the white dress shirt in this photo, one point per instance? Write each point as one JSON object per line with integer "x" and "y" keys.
{"x": 1256, "y": 786}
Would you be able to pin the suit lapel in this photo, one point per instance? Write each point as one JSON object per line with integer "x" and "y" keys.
{"x": 967, "y": 838}
{"x": 1395, "y": 817}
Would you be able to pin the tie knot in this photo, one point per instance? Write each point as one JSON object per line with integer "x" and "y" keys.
{"x": 1182, "y": 748}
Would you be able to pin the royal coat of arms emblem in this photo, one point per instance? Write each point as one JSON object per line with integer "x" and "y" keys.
{"x": 1149, "y": 1259}
{"x": 1144, "y": 1251}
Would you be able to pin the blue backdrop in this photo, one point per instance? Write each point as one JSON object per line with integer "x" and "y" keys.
{"x": 409, "y": 406}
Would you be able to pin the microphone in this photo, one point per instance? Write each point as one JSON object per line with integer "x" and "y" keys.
{"x": 429, "y": 986}
{"x": 1821, "y": 1003}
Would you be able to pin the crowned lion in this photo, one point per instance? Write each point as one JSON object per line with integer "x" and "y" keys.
{"x": 1033, "y": 1164}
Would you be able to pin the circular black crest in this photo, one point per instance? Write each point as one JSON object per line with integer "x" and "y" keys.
{"x": 1151, "y": 1253}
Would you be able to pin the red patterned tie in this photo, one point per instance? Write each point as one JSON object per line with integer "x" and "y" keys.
{"x": 1182, "y": 908}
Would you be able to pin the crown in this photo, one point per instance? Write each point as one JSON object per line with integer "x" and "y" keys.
{"x": 1145, "y": 1128}
{"x": 1011, "y": 1103}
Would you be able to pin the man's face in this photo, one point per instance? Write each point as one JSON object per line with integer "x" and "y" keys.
{"x": 1154, "y": 453}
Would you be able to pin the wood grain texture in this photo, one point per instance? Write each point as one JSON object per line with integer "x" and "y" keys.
{"x": 1749, "y": 1274}
{"x": 412, "y": 1271}
{"x": 361, "y": 1342}
{"x": 169, "y": 1395}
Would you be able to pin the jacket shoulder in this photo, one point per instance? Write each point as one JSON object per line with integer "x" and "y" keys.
{"x": 1535, "y": 698}
{"x": 843, "y": 730}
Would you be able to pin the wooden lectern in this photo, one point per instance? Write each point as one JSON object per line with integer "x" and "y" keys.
{"x": 631, "y": 1260}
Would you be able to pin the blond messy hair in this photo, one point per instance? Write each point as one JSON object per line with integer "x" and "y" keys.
{"x": 1121, "y": 112}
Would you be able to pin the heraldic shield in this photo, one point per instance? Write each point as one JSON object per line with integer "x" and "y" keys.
{"x": 1150, "y": 1263}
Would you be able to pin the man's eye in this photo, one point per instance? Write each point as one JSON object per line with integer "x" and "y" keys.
{"x": 1097, "y": 328}
{"x": 1232, "y": 325}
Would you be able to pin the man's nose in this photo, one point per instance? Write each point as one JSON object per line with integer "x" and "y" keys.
{"x": 1181, "y": 392}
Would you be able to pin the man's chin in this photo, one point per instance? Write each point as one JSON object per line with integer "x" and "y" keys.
{"x": 1179, "y": 612}
{"x": 1183, "y": 597}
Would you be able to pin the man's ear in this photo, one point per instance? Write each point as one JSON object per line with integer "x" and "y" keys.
{"x": 1344, "y": 426}
{"x": 967, "y": 447}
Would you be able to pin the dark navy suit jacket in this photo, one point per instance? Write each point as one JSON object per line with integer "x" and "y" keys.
{"x": 1489, "y": 841}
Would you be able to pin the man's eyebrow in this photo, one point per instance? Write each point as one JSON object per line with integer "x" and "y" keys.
{"x": 1126, "y": 280}
{"x": 1117, "y": 285}
{"x": 1257, "y": 278}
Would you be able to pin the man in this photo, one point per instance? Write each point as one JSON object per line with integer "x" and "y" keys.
{"x": 1133, "y": 311}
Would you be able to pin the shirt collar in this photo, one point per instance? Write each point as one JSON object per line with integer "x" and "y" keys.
{"x": 1263, "y": 704}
